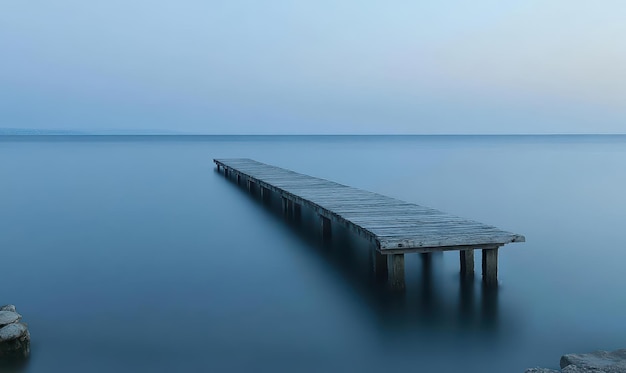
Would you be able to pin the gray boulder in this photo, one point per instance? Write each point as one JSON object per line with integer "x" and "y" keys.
{"x": 14, "y": 335}
{"x": 12, "y": 331}
{"x": 9, "y": 317}
{"x": 597, "y": 362}
{"x": 541, "y": 370}
{"x": 14, "y": 341}
{"x": 568, "y": 369}
{"x": 576, "y": 369}
{"x": 8, "y": 307}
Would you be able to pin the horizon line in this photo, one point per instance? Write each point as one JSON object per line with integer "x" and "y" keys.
{"x": 139, "y": 133}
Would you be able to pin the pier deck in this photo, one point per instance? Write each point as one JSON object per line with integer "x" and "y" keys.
{"x": 393, "y": 227}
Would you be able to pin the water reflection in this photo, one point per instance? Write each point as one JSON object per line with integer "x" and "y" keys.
{"x": 489, "y": 306}
{"x": 426, "y": 284}
{"x": 9, "y": 365}
{"x": 426, "y": 302}
{"x": 466, "y": 299}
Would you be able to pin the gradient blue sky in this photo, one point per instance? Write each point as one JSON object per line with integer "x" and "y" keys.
{"x": 302, "y": 67}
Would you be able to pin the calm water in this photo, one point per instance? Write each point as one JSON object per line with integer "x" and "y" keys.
{"x": 133, "y": 255}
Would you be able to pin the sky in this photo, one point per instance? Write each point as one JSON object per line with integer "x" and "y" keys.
{"x": 314, "y": 67}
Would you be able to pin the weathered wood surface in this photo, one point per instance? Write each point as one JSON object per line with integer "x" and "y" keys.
{"x": 394, "y": 226}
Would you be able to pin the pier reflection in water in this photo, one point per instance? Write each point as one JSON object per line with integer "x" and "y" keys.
{"x": 429, "y": 301}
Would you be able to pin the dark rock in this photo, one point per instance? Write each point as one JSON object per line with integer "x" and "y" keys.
{"x": 599, "y": 361}
{"x": 9, "y": 317}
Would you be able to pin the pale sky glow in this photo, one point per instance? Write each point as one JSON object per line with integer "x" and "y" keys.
{"x": 302, "y": 67}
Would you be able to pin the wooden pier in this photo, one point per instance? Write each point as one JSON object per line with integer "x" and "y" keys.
{"x": 393, "y": 227}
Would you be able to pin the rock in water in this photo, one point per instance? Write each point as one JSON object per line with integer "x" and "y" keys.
{"x": 14, "y": 335}
{"x": 8, "y": 307}
{"x": 541, "y": 370}
{"x": 599, "y": 361}
{"x": 12, "y": 331}
{"x": 9, "y": 317}
{"x": 14, "y": 341}
{"x": 574, "y": 369}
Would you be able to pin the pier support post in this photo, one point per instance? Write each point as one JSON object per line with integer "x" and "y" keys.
{"x": 238, "y": 179}
{"x": 296, "y": 211}
{"x": 290, "y": 209}
{"x": 225, "y": 172}
{"x": 467, "y": 263}
{"x": 265, "y": 194}
{"x": 379, "y": 265}
{"x": 285, "y": 203}
{"x": 396, "y": 274}
{"x": 218, "y": 168}
{"x": 325, "y": 227}
{"x": 490, "y": 266}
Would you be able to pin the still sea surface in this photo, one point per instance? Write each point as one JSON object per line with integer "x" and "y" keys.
{"x": 132, "y": 254}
